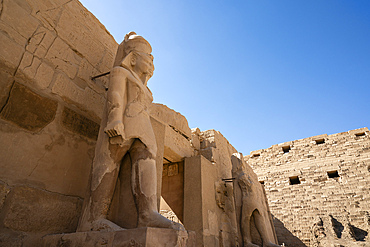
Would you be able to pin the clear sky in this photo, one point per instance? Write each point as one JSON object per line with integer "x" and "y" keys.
{"x": 260, "y": 72}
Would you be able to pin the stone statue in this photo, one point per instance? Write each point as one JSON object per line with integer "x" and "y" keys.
{"x": 126, "y": 133}
{"x": 252, "y": 210}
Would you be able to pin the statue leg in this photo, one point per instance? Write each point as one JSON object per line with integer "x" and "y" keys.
{"x": 103, "y": 181}
{"x": 144, "y": 188}
{"x": 246, "y": 224}
{"x": 260, "y": 224}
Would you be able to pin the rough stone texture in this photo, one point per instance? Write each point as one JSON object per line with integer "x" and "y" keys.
{"x": 51, "y": 48}
{"x": 27, "y": 109}
{"x": 176, "y": 146}
{"x": 79, "y": 124}
{"x": 55, "y": 47}
{"x": 320, "y": 211}
{"x": 4, "y": 190}
{"x": 140, "y": 237}
{"x": 255, "y": 224}
{"x": 173, "y": 187}
{"x": 55, "y": 212}
{"x": 49, "y": 108}
{"x": 199, "y": 200}
{"x": 174, "y": 119}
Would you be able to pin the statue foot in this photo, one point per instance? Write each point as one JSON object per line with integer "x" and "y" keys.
{"x": 269, "y": 244}
{"x": 157, "y": 220}
{"x": 249, "y": 244}
{"x": 104, "y": 225}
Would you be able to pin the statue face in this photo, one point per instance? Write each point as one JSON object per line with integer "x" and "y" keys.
{"x": 144, "y": 67}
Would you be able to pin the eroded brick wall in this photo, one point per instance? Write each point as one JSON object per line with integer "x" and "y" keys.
{"x": 330, "y": 202}
{"x": 50, "y": 112}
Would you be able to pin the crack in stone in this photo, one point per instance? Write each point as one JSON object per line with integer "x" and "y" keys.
{"x": 59, "y": 6}
{"x": 1, "y": 7}
{"x": 7, "y": 99}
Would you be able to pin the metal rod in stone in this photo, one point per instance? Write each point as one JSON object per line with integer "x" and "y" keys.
{"x": 97, "y": 76}
{"x": 228, "y": 180}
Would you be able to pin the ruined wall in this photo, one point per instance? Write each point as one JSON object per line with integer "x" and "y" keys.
{"x": 318, "y": 188}
{"x": 50, "y": 112}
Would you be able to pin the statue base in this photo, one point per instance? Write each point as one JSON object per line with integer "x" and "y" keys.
{"x": 139, "y": 237}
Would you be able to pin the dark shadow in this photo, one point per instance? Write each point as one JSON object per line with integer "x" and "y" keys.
{"x": 360, "y": 234}
{"x": 337, "y": 226}
{"x": 285, "y": 236}
{"x": 256, "y": 237}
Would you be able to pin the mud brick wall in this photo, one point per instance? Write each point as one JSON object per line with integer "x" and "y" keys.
{"x": 318, "y": 188}
{"x": 50, "y": 112}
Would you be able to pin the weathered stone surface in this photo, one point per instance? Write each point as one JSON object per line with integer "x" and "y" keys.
{"x": 84, "y": 98}
{"x": 87, "y": 35}
{"x": 159, "y": 131}
{"x": 174, "y": 119}
{"x": 195, "y": 138}
{"x": 6, "y": 82}
{"x": 173, "y": 187}
{"x": 64, "y": 58}
{"x": 27, "y": 109}
{"x": 333, "y": 180}
{"x": 4, "y": 190}
{"x": 40, "y": 160}
{"x": 252, "y": 212}
{"x": 176, "y": 146}
{"x": 33, "y": 210}
{"x": 79, "y": 124}
{"x": 199, "y": 200}
{"x": 11, "y": 56}
{"x": 126, "y": 149}
{"x": 16, "y": 14}
{"x": 150, "y": 237}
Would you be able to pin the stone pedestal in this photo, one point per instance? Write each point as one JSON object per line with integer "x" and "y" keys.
{"x": 139, "y": 237}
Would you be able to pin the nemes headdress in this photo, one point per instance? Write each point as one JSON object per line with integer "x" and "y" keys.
{"x": 132, "y": 42}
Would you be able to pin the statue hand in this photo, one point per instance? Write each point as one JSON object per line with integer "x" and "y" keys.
{"x": 115, "y": 128}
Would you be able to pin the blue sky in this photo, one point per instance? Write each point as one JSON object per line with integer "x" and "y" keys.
{"x": 260, "y": 72}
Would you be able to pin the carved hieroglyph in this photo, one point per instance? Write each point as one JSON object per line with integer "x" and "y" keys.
{"x": 126, "y": 139}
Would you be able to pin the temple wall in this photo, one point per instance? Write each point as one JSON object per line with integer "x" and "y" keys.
{"x": 318, "y": 190}
{"x": 50, "y": 112}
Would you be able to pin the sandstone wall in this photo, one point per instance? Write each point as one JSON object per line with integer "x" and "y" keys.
{"x": 50, "y": 112}
{"x": 331, "y": 201}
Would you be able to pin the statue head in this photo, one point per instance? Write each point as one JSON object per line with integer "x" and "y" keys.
{"x": 134, "y": 54}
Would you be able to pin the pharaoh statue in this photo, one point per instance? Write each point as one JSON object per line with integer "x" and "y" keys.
{"x": 126, "y": 135}
{"x": 253, "y": 215}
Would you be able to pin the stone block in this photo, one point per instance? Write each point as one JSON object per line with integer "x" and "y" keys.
{"x": 63, "y": 58}
{"x": 174, "y": 119}
{"x": 199, "y": 198}
{"x": 44, "y": 75}
{"x": 28, "y": 66}
{"x": 32, "y": 210}
{"x": 79, "y": 124}
{"x": 195, "y": 138}
{"x": 40, "y": 42}
{"x": 27, "y": 109}
{"x": 86, "y": 99}
{"x": 78, "y": 27}
{"x": 159, "y": 130}
{"x": 176, "y": 146}
{"x": 140, "y": 237}
{"x": 11, "y": 52}
{"x": 16, "y": 13}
